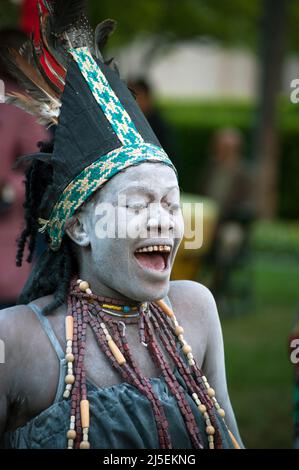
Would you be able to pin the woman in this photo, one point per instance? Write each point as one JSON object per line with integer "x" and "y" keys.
{"x": 100, "y": 299}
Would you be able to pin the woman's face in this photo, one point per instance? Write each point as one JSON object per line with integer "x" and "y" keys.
{"x": 133, "y": 227}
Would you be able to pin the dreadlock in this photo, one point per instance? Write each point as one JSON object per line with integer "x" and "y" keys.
{"x": 53, "y": 271}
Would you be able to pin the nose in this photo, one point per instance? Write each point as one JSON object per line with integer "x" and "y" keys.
{"x": 159, "y": 221}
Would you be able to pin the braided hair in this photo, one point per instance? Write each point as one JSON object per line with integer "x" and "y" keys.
{"x": 53, "y": 270}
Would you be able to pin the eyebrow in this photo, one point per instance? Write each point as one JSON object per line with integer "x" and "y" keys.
{"x": 144, "y": 188}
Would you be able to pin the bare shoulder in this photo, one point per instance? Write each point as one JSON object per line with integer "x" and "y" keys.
{"x": 194, "y": 299}
{"x": 196, "y": 311}
{"x": 15, "y": 320}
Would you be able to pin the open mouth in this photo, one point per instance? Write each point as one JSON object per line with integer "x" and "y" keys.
{"x": 153, "y": 257}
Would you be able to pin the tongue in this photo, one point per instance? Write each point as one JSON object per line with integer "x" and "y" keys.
{"x": 151, "y": 260}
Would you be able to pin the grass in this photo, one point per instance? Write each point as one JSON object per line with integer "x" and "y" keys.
{"x": 260, "y": 375}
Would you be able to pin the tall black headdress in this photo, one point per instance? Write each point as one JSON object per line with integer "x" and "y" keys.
{"x": 100, "y": 128}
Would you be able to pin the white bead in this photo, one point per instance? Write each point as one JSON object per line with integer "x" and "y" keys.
{"x": 191, "y": 362}
{"x": 190, "y": 355}
{"x": 194, "y": 395}
{"x": 73, "y": 419}
{"x": 88, "y": 291}
{"x": 66, "y": 394}
{"x": 69, "y": 387}
{"x": 70, "y": 443}
{"x": 69, "y": 343}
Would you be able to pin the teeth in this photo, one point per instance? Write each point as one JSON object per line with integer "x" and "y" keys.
{"x": 162, "y": 248}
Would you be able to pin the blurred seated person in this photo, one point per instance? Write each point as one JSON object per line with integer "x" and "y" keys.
{"x": 228, "y": 182}
{"x": 19, "y": 134}
{"x": 166, "y": 135}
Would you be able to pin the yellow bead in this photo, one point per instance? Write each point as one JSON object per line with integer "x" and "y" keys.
{"x": 186, "y": 349}
{"x": 221, "y": 412}
{"x": 202, "y": 408}
{"x": 211, "y": 392}
{"x": 69, "y": 379}
{"x": 210, "y": 430}
{"x": 179, "y": 330}
{"x": 83, "y": 286}
{"x": 71, "y": 434}
{"x": 70, "y": 357}
{"x": 84, "y": 445}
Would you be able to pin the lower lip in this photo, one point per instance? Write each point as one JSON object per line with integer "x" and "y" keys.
{"x": 155, "y": 272}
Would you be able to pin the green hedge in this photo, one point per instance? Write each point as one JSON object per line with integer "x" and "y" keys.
{"x": 195, "y": 123}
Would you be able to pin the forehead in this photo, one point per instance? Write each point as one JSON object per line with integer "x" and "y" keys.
{"x": 146, "y": 176}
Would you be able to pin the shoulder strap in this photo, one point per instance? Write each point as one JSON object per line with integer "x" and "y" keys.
{"x": 48, "y": 329}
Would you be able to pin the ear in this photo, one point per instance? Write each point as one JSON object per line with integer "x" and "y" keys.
{"x": 76, "y": 230}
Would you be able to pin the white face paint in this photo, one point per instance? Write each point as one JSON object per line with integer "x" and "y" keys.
{"x": 137, "y": 263}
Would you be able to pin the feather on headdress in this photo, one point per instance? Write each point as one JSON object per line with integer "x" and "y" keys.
{"x": 100, "y": 128}
{"x": 40, "y": 65}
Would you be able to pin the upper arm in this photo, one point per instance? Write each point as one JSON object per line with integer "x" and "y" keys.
{"x": 4, "y": 371}
{"x": 203, "y": 314}
{"x": 214, "y": 364}
{"x": 12, "y": 322}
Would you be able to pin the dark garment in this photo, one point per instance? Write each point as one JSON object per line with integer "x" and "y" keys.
{"x": 121, "y": 417}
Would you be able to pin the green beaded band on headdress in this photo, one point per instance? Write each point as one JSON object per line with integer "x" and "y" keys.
{"x": 92, "y": 178}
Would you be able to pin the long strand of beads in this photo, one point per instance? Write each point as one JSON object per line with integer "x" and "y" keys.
{"x": 160, "y": 418}
{"x": 175, "y": 388}
{"x": 187, "y": 350}
{"x": 84, "y": 403}
{"x": 132, "y": 375}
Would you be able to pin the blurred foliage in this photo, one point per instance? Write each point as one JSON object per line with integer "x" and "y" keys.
{"x": 232, "y": 22}
{"x": 195, "y": 123}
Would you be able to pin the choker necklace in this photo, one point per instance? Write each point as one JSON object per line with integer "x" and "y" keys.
{"x": 106, "y": 318}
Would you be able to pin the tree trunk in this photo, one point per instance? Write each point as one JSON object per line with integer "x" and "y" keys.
{"x": 267, "y": 135}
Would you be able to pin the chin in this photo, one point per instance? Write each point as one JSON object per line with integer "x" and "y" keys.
{"x": 149, "y": 293}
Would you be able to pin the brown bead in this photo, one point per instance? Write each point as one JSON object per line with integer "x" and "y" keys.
{"x": 84, "y": 445}
{"x": 69, "y": 379}
{"x": 71, "y": 434}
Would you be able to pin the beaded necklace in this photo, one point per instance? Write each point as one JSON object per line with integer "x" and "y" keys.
{"x": 108, "y": 318}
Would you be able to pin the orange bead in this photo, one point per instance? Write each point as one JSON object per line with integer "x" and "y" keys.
{"x": 165, "y": 308}
{"x": 84, "y": 410}
{"x": 69, "y": 327}
{"x": 116, "y": 352}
